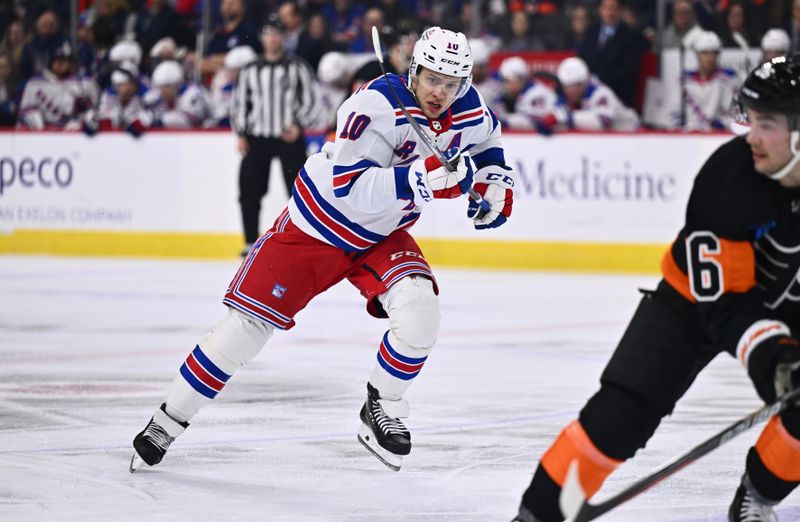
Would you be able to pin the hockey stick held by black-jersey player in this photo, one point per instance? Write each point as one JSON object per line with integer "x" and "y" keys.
{"x": 729, "y": 285}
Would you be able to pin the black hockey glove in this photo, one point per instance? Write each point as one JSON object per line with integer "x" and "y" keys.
{"x": 774, "y": 367}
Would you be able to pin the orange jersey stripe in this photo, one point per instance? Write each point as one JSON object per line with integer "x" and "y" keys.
{"x": 736, "y": 261}
{"x": 593, "y": 465}
{"x": 673, "y": 275}
{"x": 779, "y": 451}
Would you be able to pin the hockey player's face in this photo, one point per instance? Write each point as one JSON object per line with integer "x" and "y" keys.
{"x": 435, "y": 92}
{"x": 574, "y": 92}
{"x": 168, "y": 93}
{"x": 61, "y": 67}
{"x": 707, "y": 61}
{"x": 126, "y": 90}
{"x": 769, "y": 141}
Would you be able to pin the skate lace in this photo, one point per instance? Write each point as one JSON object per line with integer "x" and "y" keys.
{"x": 387, "y": 425}
{"x": 753, "y": 511}
{"x": 156, "y": 434}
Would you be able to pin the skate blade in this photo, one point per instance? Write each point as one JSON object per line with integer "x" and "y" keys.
{"x": 367, "y": 439}
{"x": 136, "y": 462}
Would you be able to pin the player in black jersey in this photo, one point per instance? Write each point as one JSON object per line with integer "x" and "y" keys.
{"x": 731, "y": 282}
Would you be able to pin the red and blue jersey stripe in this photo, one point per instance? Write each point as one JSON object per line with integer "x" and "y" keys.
{"x": 467, "y": 119}
{"x": 345, "y": 176}
{"x": 332, "y": 224}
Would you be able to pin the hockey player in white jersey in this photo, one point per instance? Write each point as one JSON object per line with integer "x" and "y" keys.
{"x": 487, "y": 83}
{"x": 335, "y": 74}
{"x": 709, "y": 90}
{"x": 57, "y": 98}
{"x": 224, "y": 84}
{"x": 587, "y": 103}
{"x": 121, "y": 105}
{"x": 523, "y": 102}
{"x": 348, "y": 216}
{"x": 175, "y": 102}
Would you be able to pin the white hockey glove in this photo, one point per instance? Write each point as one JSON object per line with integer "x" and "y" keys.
{"x": 496, "y": 185}
{"x": 429, "y": 179}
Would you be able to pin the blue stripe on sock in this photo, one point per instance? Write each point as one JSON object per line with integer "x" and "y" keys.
{"x": 401, "y": 358}
{"x": 395, "y": 373}
{"x": 209, "y": 366}
{"x": 199, "y": 386}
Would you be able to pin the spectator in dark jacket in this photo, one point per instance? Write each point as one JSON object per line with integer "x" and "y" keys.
{"x": 235, "y": 31}
{"x": 46, "y": 39}
{"x": 612, "y": 50}
{"x": 158, "y": 21}
{"x": 315, "y": 40}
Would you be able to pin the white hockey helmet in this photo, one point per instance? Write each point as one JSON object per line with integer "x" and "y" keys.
{"x": 572, "y": 70}
{"x": 167, "y": 73}
{"x": 332, "y": 67}
{"x": 240, "y": 56}
{"x": 445, "y": 52}
{"x": 707, "y": 42}
{"x": 775, "y": 40}
{"x": 513, "y": 68}
{"x": 126, "y": 51}
{"x": 165, "y": 45}
{"x": 480, "y": 51}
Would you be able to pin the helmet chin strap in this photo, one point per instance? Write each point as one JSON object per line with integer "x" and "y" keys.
{"x": 794, "y": 138}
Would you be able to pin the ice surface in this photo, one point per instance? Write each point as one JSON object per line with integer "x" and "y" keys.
{"x": 89, "y": 346}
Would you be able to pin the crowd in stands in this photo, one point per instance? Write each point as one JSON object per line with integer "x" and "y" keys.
{"x": 140, "y": 64}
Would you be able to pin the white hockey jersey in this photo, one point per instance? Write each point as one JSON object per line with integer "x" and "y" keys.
{"x": 112, "y": 113}
{"x": 48, "y": 101}
{"x": 355, "y": 192}
{"x": 535, "y": 102}
{"x": 330, "y": 98}
{"x": 190, "y": 110}
{"x": 599, "y": 109}
{"x": 222, "y": 100}
{"x": 490, "y": 88}
{"x": 708, "y": 100}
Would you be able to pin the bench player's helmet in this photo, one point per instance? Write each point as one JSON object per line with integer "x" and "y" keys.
{"x": 774, "y": 87}
{"x": 445, "y": 52}
{"x": 167, "y": 73}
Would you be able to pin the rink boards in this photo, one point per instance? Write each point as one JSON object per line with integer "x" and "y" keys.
{"x": 590, "y": 202}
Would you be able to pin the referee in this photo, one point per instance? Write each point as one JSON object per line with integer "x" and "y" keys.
{"x": 275, "y": 99}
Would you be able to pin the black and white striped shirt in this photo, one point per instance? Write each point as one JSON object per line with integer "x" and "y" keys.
{"x": 270, "y": 97}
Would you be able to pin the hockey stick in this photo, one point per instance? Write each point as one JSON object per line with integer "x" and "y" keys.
{"x": 376, "y": 45}
{"x": 573, "y": 501}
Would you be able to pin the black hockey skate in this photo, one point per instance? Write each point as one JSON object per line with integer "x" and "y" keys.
{"x": 382, "y": 432}
{"x": 151, "y": 444}
{"x": 749, "y": 506}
